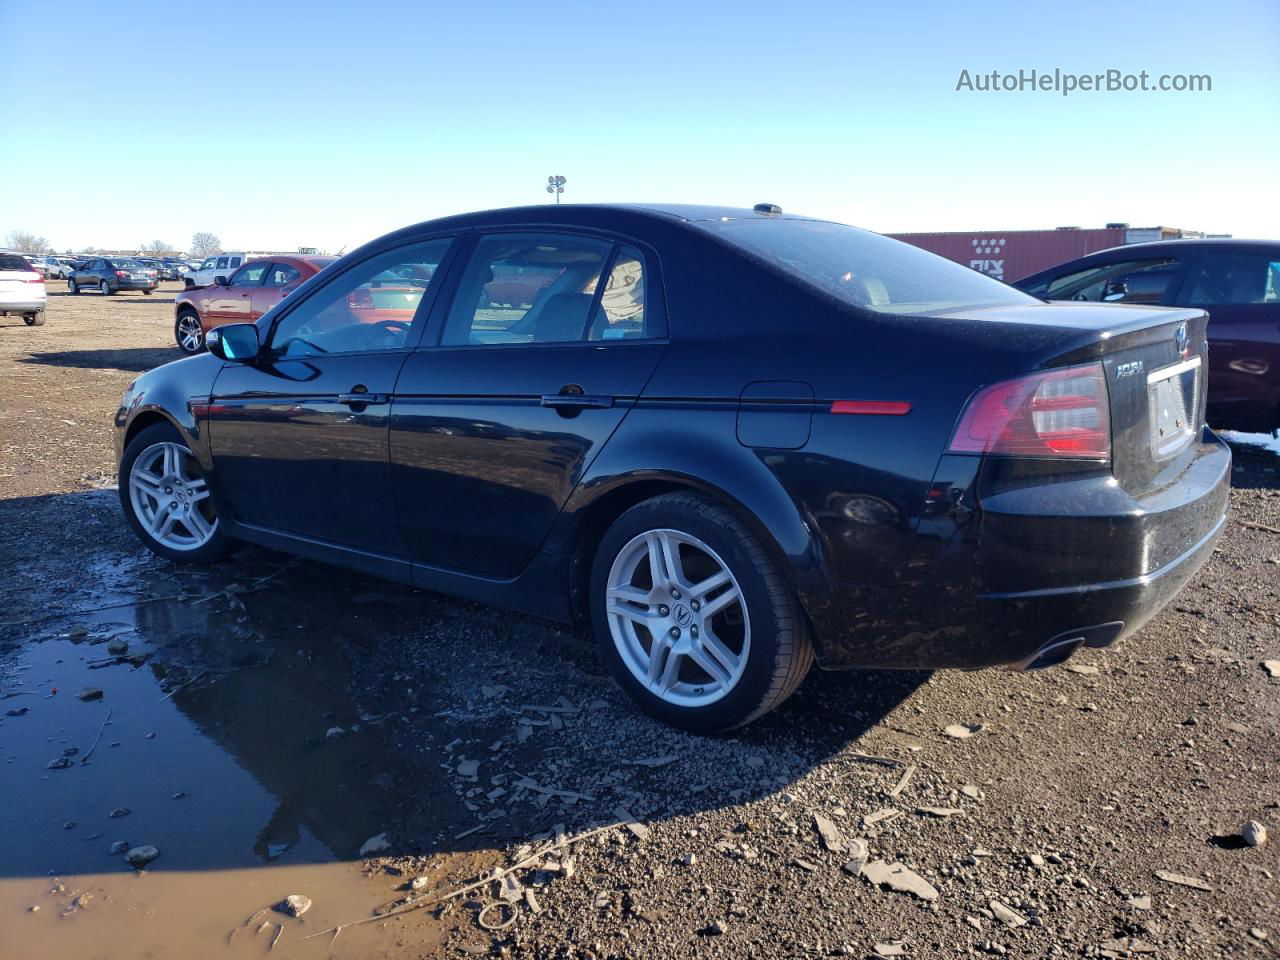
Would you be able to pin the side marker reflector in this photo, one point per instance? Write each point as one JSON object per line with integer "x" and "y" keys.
{"x": 883, "y": 408}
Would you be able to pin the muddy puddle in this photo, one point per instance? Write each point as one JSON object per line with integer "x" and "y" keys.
{"x": 208, "y": 714}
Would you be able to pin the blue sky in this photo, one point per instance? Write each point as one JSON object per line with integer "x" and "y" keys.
{"x": 282, "y": 124}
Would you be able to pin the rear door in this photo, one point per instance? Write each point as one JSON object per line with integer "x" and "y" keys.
{"x": 299, "y": 438}
{"x": 1240, "y": 288}
{"x": 492, "y": 428}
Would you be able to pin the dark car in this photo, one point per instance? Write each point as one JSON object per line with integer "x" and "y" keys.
{"x": 163, "y": 271}
{"x": 1236, "y": 281}
{"x": 110, "y": 275}
{"x": 733, "y": 440}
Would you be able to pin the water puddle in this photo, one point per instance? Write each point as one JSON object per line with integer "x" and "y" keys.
{"x": 209, "y": 714}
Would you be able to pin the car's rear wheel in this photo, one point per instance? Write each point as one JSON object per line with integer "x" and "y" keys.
{"x": 188, "y": 332}
{"x": 166, "y": 498}
{"x": 147, "y": 292}
{"x": 104, "y": 288}
{"x": 187, "y": 284}
{"x": 33, "y": 319}
{"x": 693, "y": 617}
{"x": 71, "y": 286}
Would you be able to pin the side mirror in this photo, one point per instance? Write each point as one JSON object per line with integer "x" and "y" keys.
{"x": 220, "y": 280}
{"x": 237, "y": 342}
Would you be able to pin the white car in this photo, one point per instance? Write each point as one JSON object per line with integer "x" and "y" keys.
{"x": 21, "y": 289}
{"x": 219, "y": 265}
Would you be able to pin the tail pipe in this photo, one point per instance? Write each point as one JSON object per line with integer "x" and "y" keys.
{"x": 1059, "y": 650}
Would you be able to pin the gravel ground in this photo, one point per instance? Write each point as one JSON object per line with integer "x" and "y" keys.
{"x": 1065, "y": 819}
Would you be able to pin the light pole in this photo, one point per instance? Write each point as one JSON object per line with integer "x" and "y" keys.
{"x": 555, "y": 184}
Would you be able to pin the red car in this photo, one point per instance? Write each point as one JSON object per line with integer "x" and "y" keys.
{"x": 243, "y": 297}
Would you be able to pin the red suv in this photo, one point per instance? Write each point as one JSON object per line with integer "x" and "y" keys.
{"x": 243, "y": 297}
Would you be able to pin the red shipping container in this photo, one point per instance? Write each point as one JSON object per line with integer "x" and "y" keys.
{"x": 1013, "y": 254}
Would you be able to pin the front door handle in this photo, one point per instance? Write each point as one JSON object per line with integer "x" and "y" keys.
{"x": 576, "y": 401}
{"x": 361, "y": 398}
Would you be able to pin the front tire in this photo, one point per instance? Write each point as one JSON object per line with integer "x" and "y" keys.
{"x": 71, "y": 286}
{"x": 693, "y": 617}
{"x": 33, "y": 319}
{"x": 188, "y": 333}
{"x": 166, "y": 500}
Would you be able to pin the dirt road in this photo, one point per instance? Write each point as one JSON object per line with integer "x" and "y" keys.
{"x": 262, "y": 721}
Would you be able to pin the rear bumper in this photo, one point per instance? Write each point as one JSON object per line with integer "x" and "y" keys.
{"x": 23, "y": 306}
{"x": 136, "y": 284}
{"x": 1026, "y": 579}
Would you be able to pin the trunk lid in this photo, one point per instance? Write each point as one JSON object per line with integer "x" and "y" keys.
{"x": 1155, "y": 363}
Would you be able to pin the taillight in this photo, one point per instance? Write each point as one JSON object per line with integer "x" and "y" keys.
{"x": 38, "y": 278}
{"x": 123, "y": 274}
{"x": 1057, "y": 413}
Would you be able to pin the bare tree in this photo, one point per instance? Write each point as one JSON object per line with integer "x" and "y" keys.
{"x": 205, "y": 244}
{"x": 25, "y": 242}
{"x": 156, "y": 247}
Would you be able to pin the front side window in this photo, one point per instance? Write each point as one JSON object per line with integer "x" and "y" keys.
{"x": 250, "y": 275}
{"x": 209, "y": 263}
{"x": 1131, "y": 281}
{"x": 369, "y": 307}
{"x": 864, "y": 269}
{"x": 281, "y": 275}
{"x": 527, "y": 288}
{"x": 1236, "y": 278}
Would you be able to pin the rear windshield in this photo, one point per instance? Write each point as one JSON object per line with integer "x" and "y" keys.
{"x": 125, "y": 263}
{"x": 866, "y": 269}
{"x": 11, "y": 261}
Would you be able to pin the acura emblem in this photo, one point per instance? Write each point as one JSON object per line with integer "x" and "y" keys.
{"x": 1180, "y": 339}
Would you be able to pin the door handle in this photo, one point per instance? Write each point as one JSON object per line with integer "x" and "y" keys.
{"x": 361, "y": 398}
{"x": 576, "y": 401}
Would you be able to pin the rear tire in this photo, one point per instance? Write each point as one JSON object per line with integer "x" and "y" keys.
{"x": 755, "y": 643}
{"x": 199, "y": 540}
{"x": 148, "y": 292}
{"x": 33, "y": 319}
{"x": 104, "y": 288}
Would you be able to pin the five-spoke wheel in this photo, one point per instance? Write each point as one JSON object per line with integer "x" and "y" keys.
{"x": 693, "y": 616}
{"x": 188, "y": 332}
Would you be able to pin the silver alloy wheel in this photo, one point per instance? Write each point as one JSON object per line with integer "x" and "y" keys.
{"x": 170, "y": 498}
{"x": 103, "y": 287}
{"x": 190, "y": 336}
{"x": 678, "y": 618}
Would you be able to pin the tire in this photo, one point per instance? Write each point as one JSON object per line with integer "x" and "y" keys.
{"x": 148, "y": 292}
{"x": 150, "y": 443}
{"x": 33, "y": 319}
{"x": 187, "y": 284}
{"x": 763, "y": 630}
{"x": 72, "y": 288}
{"x": 104, "y": 288}
{"x": 187, "y": 328}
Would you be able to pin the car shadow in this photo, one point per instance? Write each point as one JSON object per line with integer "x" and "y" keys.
{"x": 1255, "y": 460}
{"x": 131, "y": 359}
{"x": 294, "y": 710}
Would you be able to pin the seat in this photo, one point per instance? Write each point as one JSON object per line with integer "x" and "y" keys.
{"x": 563, "y": 318}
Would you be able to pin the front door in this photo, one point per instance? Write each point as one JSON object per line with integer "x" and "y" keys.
{"x": 280, "y": 279}
{"x": 299, "y": 438}
{"x": 234, "y": 302}
{"x": 492, "y": 429}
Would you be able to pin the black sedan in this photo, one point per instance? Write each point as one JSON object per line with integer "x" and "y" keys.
{"x": 1237, "y": 281}
{"x": 110, "y": 275}
{"x": 735, "y": 441}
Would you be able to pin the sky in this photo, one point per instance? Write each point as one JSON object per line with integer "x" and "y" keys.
{"x": 285, "y": 124}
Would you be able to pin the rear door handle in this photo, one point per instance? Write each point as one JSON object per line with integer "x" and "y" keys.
{"x": 361, "y": 399}
{"x": 576, "y": 401}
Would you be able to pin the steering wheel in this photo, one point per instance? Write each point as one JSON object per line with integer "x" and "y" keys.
{"x": 392, "y": 326}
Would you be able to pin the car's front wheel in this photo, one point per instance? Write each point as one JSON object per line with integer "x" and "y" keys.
{"x": 166, "y": 498}
{"x": 33, "y": 319}
{"x": 71, "y": 286}
{"x": 693, "y": 617}
{"x": 188, "y": 332}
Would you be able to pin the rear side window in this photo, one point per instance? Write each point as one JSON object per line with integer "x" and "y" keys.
{"x": 864, "y": 269}
{"x": 620, "y": 314}
{"x": 527, "y": 288}
{"x": 1236, "y": 278}
{"x": 281, "y": 275}
{"x": 11, "y": 261}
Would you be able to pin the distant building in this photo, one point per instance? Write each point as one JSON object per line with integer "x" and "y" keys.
{"x": 1013, "y": 254}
